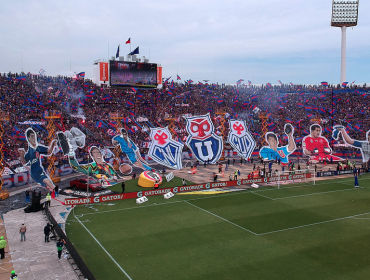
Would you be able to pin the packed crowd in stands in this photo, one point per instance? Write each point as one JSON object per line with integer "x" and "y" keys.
{"x": 32, "y": 97}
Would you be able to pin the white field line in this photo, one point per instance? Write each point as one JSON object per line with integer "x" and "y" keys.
{"x": 158, "y": 204}
{"x": 97, "y": 241}
{"x": 340, "y": 182}
{"x": 308, "y": 225}
{"x": 293, "y": 196}
{"x": 258, "y": 234}
{"x": 262, "y": 195}
{"x": 200, "y": 198}
{"x": 220, "y": 217}
{"x": 129, "y": 208}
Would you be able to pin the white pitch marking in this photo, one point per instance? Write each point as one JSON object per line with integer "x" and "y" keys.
{"x": 220, "y": 195}
{"x": 300, "y": 186}
{"x": 263, "y": 195}
{"x": 97, "y": 241}
{"x": 220, "y": 218}
{"x": 349, "y": 217}
{"x": 108, "y": 211}
{"x": 314, "y": 193}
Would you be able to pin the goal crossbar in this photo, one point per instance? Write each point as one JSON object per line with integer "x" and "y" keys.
{"x": 296, "y": 176}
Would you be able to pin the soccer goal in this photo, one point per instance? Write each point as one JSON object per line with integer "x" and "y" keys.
{"x": 296, "y": 176}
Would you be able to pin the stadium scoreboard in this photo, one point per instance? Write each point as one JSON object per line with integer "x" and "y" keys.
{"x": 133, "y": 74}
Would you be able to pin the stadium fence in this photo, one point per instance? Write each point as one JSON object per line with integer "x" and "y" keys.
{"x": 77, "y": 262}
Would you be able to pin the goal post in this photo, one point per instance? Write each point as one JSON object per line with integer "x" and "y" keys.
{"x": 296, "y": 176}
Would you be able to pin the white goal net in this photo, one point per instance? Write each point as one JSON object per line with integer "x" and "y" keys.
{"x": 296, "y": 176}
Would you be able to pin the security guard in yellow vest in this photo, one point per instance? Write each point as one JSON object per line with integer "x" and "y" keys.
{"x": 48, "y": 199}
{"x": 13, "y": 276}
{"x": 2, "y": 247}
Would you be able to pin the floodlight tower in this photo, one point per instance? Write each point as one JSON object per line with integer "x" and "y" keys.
{"x": 344, "y": 14}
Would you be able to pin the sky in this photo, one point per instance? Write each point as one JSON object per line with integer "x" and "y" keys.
{"x": 221, "y": 41}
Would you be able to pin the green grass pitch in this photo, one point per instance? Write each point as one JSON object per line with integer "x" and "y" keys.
{"x": 307, "y": 231}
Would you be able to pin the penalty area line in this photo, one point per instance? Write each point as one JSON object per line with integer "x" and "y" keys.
{"x": 318, "y": 223}
{"x": 300, "y": 186}
{"x": 303, "y": 195}
{"x": 97, "y": 241}
{"x": 262, "y": 195}
{"x": 221, "y": 218}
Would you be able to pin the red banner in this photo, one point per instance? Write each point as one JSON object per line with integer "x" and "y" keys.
{"x": 112, "y": 197}
{"x": 103, "y": 71}
{"x": 159, "y": 75}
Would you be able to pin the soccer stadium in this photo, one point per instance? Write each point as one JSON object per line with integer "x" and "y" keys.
{"x": 183, "y": 155}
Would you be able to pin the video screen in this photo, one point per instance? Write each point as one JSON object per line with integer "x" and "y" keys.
{"x": 133, "y": 74}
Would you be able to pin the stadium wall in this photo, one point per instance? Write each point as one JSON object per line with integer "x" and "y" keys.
{"x": 180, "y": 189}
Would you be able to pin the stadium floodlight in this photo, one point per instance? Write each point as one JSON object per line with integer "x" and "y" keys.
{"x": 344, "y": 14}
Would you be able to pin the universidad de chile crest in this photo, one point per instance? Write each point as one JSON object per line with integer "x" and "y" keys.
{"x": 240, "y": 139}
{"x": 202, "y": 140}
{"x": 163, "y": 149}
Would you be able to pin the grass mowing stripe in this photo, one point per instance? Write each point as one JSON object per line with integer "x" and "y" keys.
{"x": 308, "y": 225}
{"x": 157, "y": 204}
{"x": 300, "y": 186}
{"x": 263, "y": 195}
{"x": 100, "y": 212}
{"x": 351, "y": 189}
{"x": 97, "y": 241}
{"x": 219, "y": 195}
{"x": 220, "y": 218}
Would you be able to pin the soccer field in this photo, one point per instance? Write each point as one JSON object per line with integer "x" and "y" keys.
{"x": 307, "y": 231}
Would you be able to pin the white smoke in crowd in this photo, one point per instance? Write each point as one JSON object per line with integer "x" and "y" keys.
{"x": 72, "y": 98}
{"x": 243, "y": 116}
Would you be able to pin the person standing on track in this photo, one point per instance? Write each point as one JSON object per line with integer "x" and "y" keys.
{"x": 47, "y": 230}
{"x": 27, "y": 193}
{"x": 60, "y": 245}
{"x": 13, "y": 276}
{"x": 48, "y": 199}
{"x": 56, "y": 191}
{"x": 22, "y": 231}
{"x": 2, "y": 247}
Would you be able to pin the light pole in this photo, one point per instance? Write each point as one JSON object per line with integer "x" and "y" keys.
{"x": 344, "y": 14}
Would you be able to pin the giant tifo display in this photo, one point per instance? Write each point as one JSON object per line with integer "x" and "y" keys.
{"x": 71, "y": 121}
